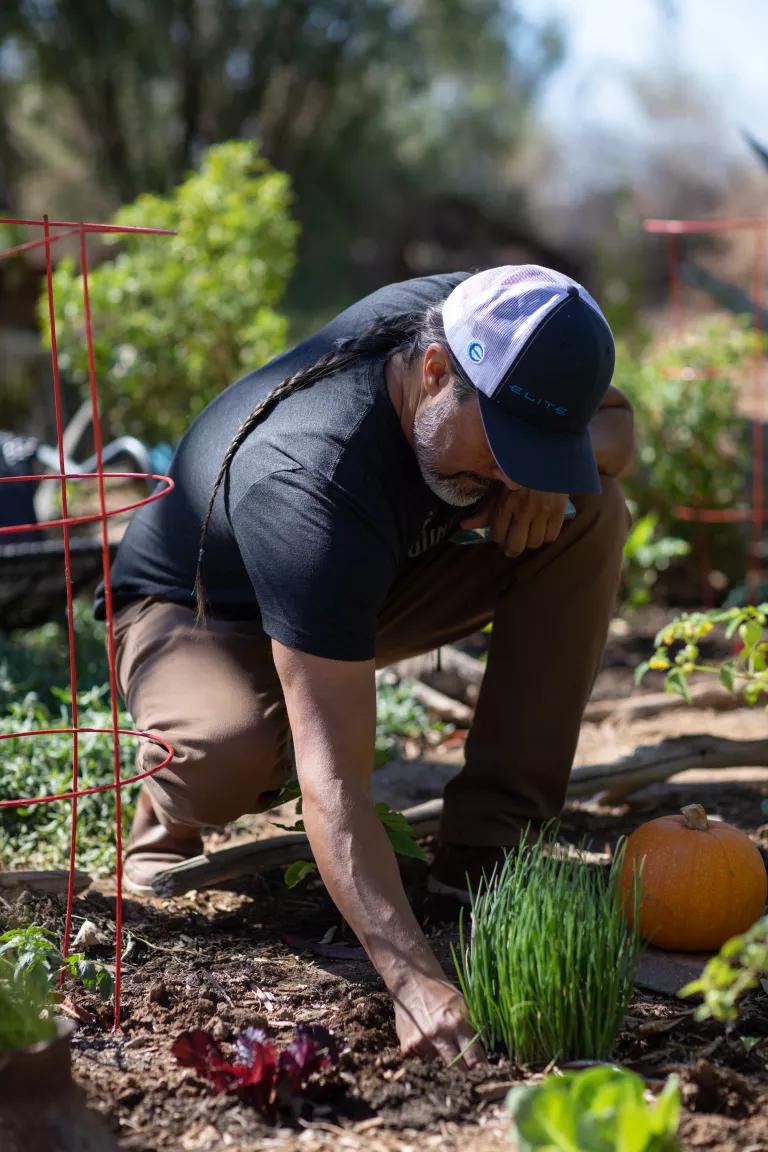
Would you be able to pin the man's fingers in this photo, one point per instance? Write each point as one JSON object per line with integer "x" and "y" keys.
{"x": 537, "y": 532}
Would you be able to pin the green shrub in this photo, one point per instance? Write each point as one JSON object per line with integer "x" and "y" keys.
{"x": 178, "y": 318}
{"x": 646, "y": 555}
{"x": 597, "y": 1110}
{"x": 693, "y": 443}
{"x": 34, "y": 694}
{"x": 548, "y": 972}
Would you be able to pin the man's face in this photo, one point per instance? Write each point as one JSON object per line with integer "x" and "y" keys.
{"x": 452, "y": 450}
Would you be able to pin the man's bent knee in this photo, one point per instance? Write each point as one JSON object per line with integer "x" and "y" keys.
{"x": 212, "y": 782}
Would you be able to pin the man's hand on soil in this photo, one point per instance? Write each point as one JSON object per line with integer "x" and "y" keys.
{"x": 520, "y": 519}
{"x": 432, "y": 1021}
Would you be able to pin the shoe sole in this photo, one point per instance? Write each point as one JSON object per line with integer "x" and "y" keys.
{"x": 137, "y": 889}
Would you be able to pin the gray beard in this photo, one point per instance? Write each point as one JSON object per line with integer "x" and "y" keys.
{"x": 452, "y": 491}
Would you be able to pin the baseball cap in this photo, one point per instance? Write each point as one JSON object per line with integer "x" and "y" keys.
{"x": 540, "y": 353}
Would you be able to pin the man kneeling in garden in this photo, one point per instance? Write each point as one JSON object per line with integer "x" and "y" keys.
{"x": 329, "y": 485}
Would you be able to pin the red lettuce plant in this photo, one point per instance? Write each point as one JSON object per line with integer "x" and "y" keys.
{"x": 260, "y": 1075}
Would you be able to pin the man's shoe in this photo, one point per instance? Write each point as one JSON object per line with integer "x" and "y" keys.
{"x": 152, "y": 848}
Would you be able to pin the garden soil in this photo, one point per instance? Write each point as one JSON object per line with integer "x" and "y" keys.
{"x": 256, "y": 953}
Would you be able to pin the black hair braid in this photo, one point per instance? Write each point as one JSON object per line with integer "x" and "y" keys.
{"x": 384, "y": 337}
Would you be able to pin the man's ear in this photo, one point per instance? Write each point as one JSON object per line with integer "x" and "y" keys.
{"x": 435, "y": 370}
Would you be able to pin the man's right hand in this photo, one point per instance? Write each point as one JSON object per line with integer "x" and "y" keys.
{"x": 432, "y": 1021}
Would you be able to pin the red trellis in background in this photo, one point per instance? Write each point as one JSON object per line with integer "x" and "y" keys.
{"x": 52, "y": 231}
{"x": 755, "y": 513}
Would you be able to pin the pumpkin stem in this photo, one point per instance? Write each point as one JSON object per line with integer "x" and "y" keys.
{"x": 695, "y": 817}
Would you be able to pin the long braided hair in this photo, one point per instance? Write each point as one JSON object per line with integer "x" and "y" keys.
{"x": 410, "y": 333}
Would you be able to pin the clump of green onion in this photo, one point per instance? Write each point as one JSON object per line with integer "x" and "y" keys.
{"x": 547, "y": 973}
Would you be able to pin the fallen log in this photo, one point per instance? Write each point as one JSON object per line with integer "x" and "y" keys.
{"x": 615, "y": 780}
{"x": 50, "y": 883}
{"x": 650, "y": 703}
{"x": 263, "y": 855}
{"x": 651, "y": 763}
{"x": 442, "y": 706}
{"x": 449, "y": 670}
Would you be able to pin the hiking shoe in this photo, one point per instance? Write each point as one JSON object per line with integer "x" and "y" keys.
{"x": 152, "y": 848}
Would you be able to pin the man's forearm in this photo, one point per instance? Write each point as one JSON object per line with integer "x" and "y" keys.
{"x": 359, "y": 869}
{"x": 612, "y": 433}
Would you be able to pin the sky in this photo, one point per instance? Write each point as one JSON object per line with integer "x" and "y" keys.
{"x": 720, "y": 45}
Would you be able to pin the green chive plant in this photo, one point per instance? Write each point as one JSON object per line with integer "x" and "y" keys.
{"x": 547, "y": 973}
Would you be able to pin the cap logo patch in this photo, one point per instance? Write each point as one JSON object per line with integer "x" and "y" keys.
{"x": 476, "y": 352}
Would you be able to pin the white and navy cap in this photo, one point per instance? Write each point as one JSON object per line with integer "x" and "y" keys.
{"x": 540, "y": 354}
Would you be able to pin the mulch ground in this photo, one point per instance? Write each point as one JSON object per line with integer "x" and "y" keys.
{"x": 257, "y": 953}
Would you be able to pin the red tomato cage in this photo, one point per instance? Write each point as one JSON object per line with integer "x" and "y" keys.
{"x": 53, "y": 231}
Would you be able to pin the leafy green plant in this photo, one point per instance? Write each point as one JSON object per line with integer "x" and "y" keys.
{"x": 646, "y": 555}
{"x": 597, "y": 1110}
{"x": 399, "y": 717}
{"x": 38, "y": 834}
{"x": 34, "y": 694}
{"x": 692, "y": 439}
{"x": 31, "y": 957}
{"x": 548, "y": 971}
{"x": 178, "y": 318}
{"x": 744, "y": 673}
{"x": 395, "y": 824}
{"x": 26, "y": 1016}
{"x": 30, "y": 966}
{"x": 739, "y": 966}
{"x": 37, "y": 660}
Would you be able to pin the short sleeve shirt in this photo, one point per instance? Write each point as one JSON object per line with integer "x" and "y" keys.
{"x": 323, "y": 508}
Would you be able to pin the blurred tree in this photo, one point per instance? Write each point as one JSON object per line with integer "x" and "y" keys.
{"x": 389, "y": 115}
{"x": 177, "y": 318}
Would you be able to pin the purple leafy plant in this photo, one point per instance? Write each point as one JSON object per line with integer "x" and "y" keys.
{"x": 260, "y": 1075}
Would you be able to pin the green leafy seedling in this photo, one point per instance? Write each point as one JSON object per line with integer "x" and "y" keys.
{"x": 601, "y": 1109}
{"x": 31, "y": 957}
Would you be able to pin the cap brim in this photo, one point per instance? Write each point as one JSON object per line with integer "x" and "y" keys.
{"x": 546, "y": 461}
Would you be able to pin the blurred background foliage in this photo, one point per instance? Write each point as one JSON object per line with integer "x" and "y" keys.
{"x": 167, "y": 338}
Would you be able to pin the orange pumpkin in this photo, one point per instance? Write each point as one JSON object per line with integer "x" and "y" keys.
{"x": 701, "y": 882}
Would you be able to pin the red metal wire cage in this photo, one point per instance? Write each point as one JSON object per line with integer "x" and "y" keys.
{"x": 52, "y": 232}
{"x": 754, "y": 513}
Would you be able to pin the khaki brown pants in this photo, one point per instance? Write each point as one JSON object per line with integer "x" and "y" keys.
{"x": 214, "y": 695}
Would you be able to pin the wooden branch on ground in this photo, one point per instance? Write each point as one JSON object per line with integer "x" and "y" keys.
{"x": 615, "y": 780}
{"x": 51, "y": 883}
{"x": 262, "y": 855}
{"x": 458, "y": 675}
{"x": 651, "y": 763}
{"x": 651, "y": 703}
{"x": 442, "y": 706}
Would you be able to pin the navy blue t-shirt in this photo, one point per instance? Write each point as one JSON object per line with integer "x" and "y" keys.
{"x": 323, "y": 509}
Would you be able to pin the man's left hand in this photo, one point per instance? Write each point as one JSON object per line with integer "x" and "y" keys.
{"x": 520, "y": 519}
